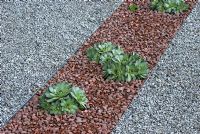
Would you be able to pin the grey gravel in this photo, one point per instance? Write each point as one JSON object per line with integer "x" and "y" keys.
{"x": 169, "y": 101}
{"x": 36, "y": 39}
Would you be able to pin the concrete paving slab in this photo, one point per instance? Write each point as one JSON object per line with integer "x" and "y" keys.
{"x": 36, "y": 39}
{"x": 169, "y": 101}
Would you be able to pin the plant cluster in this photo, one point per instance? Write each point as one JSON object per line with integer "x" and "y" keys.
{"x": 63, "y": 98}
{"x": 169, "y": 6}
{"x": 118, "y": 65}
{"x": 133, "y": 7}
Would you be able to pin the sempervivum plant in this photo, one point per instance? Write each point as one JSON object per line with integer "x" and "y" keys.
{"x": 102, "y": 52}
{"x": 116, "y": 64}
{"x": 133, "y": 7}
{"x": 169, "y": 6}
{"x": 127, "y": 68}
{"x": 63, "y": 98}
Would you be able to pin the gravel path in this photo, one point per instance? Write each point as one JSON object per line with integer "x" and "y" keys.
{"x": 36, "y": 38}
{"x": 169, "y": 100}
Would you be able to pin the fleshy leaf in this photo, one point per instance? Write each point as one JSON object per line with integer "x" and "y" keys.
{"x": 79, "y": 96}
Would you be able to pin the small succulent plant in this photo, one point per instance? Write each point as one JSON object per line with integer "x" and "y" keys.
{"x": 169, "y": 6}
{"x": 129, "y": 67}
{"x": 102, "y": 52}
{"x": 117, "y": 65}
{"x": 133, "y": 7}
{"x": 63, "y": 98}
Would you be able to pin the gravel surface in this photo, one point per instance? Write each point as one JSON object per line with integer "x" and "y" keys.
{"x": 169, "y": 101}
{"x": 145, "y": 31}
{"x": 36, "y": 38}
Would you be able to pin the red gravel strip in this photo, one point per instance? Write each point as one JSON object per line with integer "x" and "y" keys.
{"x": 145, "y": 32}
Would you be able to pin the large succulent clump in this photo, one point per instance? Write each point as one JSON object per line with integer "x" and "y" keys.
{"x": 117, "y": 65}
{"x": 63, "y": 98}
{"x": 169, "y": 6}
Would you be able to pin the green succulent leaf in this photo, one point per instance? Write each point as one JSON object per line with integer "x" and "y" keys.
{"x": 50, "y": 95}
{"x": 52, "y": 99}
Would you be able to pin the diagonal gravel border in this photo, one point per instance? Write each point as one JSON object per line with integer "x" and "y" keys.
{"x": 36, "y": 38}
{"x": 169, "y": 100}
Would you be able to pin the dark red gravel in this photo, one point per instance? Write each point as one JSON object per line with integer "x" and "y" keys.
{"x": 145, "y": 32}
